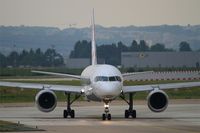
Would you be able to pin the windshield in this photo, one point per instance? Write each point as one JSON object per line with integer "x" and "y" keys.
{"x": 104, "y": 78}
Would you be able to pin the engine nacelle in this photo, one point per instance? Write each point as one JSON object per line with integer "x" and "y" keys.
{"x": 46, "y": 100}
{"x": 157, "y": 100}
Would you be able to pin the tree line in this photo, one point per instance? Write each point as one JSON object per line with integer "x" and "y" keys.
{"x": 34, "y": 58}
{"x": 111, "y": 53}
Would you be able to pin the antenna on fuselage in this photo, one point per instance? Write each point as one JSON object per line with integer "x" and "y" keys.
{"x": 93, "y": 52}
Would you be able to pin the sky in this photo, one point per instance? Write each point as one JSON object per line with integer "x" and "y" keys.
{"x": 77, "y": 13}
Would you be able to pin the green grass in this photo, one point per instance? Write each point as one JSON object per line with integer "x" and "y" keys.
{"x": 191, "y": 93}
{"x": 10, "y": 95}
{"x": 27, "y": 71}
{"x": 6, "y": 126}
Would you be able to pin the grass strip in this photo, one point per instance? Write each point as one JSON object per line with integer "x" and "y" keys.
{"x": 6, "y": 126}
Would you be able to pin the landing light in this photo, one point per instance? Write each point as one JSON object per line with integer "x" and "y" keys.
{"x": 82, "y": 90}
{"x": 106, "y": 105}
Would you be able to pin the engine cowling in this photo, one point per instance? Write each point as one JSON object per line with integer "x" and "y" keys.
{"x": 46, "y": 100}
{"x": 157, "y": 100}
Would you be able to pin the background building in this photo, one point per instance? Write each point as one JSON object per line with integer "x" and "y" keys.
{"x": 160, "y": 59}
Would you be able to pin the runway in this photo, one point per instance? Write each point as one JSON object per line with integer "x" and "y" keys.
{"x": 177, "y": 118}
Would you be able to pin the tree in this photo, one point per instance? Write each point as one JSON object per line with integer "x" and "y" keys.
{"x": 58, "y": 60}
{"x": 184, "y": 46}
{"x": 82, "y": 49}
{"x": 122, "y": 47}
{"x": 158, "y": 47}
{"x": 13, "y": 59}
{"x": 134, "y": 46}
{"x": 143, "y": 46}
{"x": 31, "y": 58}
{"x": 2, "y": 60}
{"x": 39, "y": 57}
{"x": 23, "y": 58}
{"x": 52, "y": 58}
{"x": 105, "y": 52}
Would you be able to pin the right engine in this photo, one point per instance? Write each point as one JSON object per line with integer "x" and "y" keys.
{"x": 46, "y": 100}
{"x": 157, "y": 100}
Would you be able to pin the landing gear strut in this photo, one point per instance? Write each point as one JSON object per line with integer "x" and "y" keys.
{"x": 106, "y": 114}
{"x": 70, "y": 112}
{"x": 129, "y": 112}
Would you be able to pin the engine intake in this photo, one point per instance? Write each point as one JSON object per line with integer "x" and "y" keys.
{"x": 157, "y": 100}
{"x": 46, "y": 100}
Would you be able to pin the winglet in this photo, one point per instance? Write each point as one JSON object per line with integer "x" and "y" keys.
{"x": 94, "y": 56}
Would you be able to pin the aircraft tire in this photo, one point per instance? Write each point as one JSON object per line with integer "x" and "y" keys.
{"x": 65, "y": 114}
{"x": 133, "y": 113}
{"x": 126, "y": 114}
{"x": 109, "y": 116}
{"x": 103, "y": 117}
{"x": 72, "y": 114}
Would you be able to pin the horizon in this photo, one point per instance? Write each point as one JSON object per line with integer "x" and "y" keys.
{"x": 97, "y": 25}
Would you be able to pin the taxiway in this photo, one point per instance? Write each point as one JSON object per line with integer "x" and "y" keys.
{"x": 177, "y": 118}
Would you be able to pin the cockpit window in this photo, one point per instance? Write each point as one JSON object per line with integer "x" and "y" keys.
{"x": 101, "y": 78}
{"x": 104, "y": 78}
{"x": 118, "y": 78}
{"x": 112, "y": 78}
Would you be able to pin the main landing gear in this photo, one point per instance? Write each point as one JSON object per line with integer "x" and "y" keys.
{"x": 70, "y": 112}
{"x": 129, "y": 112}
{"x": 106, "y": 115}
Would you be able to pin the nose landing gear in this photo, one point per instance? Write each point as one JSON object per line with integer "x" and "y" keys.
{"x": 106, "y": 114}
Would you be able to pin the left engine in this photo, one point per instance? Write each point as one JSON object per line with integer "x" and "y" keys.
{"x": 46, "y": 100}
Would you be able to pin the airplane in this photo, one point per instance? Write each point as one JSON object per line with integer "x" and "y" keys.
{"x": 100, "y": 83}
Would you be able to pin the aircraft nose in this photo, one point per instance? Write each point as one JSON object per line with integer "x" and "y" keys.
{"x": 109, "y": 90}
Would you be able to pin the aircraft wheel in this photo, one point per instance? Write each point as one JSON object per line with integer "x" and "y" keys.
{"x": 104, "y": 117}
{"x": 72, "y": 113}
{"x": 65, "y": 114}
{"x": 133, "y": 113}
{"x": 126, "y": 114}
{"x": 109, "y": 116}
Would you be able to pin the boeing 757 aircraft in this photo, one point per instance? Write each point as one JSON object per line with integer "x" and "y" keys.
{"x": 102, "y": 83}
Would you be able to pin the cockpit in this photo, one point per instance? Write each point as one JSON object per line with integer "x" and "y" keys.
{"x": 104, "y": 78}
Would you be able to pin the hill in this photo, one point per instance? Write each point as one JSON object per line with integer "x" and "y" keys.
{"x": 26, "y": 37}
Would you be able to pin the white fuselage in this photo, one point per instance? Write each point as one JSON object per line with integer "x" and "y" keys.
{"x": 102, "y": 82}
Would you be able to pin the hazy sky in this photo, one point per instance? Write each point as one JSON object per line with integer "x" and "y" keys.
{"x": 62, "y": 13}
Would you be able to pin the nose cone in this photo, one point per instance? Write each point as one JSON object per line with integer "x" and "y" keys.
{"x": 108, "y": 90}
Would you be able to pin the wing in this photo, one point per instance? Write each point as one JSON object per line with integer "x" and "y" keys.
{"x": 59, "y": 74}
{"x": 135, "y": 73}
{"x": 64, "y": 88}
{"x": 137, "y": 88}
